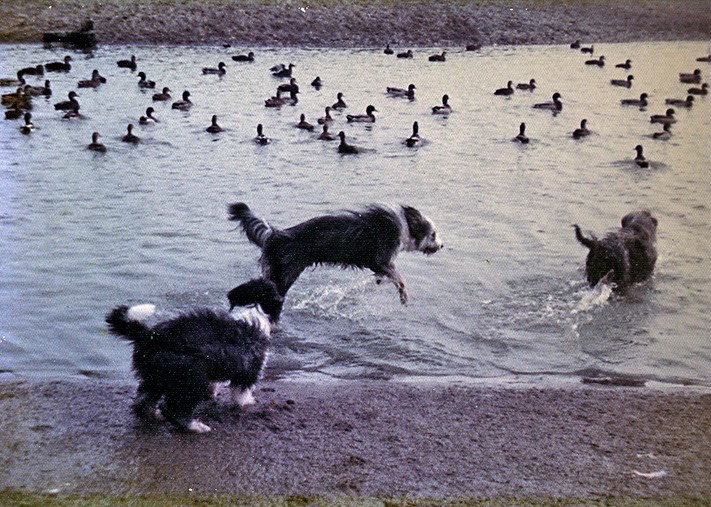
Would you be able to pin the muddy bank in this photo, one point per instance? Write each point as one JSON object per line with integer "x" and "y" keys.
{"x": 365, "y": 439}
{"x": 359, "y": 23}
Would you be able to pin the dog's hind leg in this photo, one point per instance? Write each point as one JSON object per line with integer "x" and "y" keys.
{"x": 391, "y": 274}
{"x": 145, "y": 406}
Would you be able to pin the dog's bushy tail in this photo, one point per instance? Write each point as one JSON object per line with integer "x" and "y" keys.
{"x": 126, "y": 322}
{"x": 256, "y": 229}
{"x": 588, "y": 242}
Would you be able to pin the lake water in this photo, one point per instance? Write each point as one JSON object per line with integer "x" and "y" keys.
{"x": 505, "y": 301}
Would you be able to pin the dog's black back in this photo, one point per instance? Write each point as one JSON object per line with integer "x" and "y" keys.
{"x": 628, "y": 252}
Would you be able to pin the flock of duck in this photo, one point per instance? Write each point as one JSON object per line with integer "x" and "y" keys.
{"x": 19, "y": 104}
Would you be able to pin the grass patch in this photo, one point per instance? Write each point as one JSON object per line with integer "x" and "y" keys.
{"x": 21, "y": 499}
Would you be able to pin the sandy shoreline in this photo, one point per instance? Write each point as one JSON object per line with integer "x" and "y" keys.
{"x": 359, "y": 23}
{"x": 372, "y": 439}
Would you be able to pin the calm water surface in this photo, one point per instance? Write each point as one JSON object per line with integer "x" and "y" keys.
{"x": 505, "y": 300}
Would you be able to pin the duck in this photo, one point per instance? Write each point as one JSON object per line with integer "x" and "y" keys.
{"x": 143, "y": 82}
{"x": 128, "y": 64}
{"x": 277, "y": 101}
{"x": 68, "y": 105}
{"x": 438, "y": 58}
{"x": 130, "y": 137}
{"x": 95, "y": 145}
{"x": 287, "y": 88}
{"x": 388, "y": 50}
{"x": 317, "y": 83}
{"x": 521, "y": 137}
{"x": 530, "y": 86}
{"x": 327, "y": 118}
{"x": 627, "y": 65}
{"x": 344, "y": 147}
{"x": 220, "y": 70}
{"x": 681, "y": 102}
{"x": 11, "y": 81}
{"x": 600, "y": 62}
{"x": 36, "y": 91}
{"x": 94, "y": 82}
{"x": 414, "y": 139}
{"x": 368, "y": 117}
{"x": 663, "y": 118}
{"x": 405, "y": 54}
{"x": 148, "y": 119}
{"x": 627, "y": 83}
{"x": 14, "y": 113}
{"x": 590, "y": 50}
{"x": 339, "y": 104}
{"x": 284, "y": 72}
{"x": 325, "y": 135}
{"x": 639, "y": 159}
{"x": 582, "y": 131}
{"x": 704, "y": 90}
{"x": 664, "y": 134}
{"x": 261, "y": 138}
{"x": 473, "y": 47}
{"x": 640, "y": 102}
{"x": 63, "y": 66}
{"x": 575, "y": 45}
{"x": 555, "y": 105}
{"x": 28, "y": 127}
{"x": 163, "y": 96}
{"x": 401, "y": 92}
{"x": 183, "y": 105}
{"x": 214, "y": 128}
{"x": 505, "y": 91}
{"x": 693, "y": 78}
{"x": 303, "y": 124}
{"x": 445, "y": 108}
{"x": 249, "y": 57}
{"x": 37, "y": 70}
{"x": 704, "y": 58}
{"x": 19, "y": 99}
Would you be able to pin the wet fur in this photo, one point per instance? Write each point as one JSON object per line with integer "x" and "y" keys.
{"x": 368, "y": 239}
{"x": 178, "y": 361}
{"x": 625, "y": 256}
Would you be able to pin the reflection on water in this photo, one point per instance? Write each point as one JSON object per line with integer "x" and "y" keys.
{"x": 82, "y": 232}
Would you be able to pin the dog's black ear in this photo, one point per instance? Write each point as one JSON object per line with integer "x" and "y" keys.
{"x": 258, "y": 291}
{"x": 419, "y": 226}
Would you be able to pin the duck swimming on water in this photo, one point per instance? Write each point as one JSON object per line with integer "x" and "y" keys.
{"x": 67, "y": 105}
{"x": 664, "y": 134}
{"x": 130, "y": 137}
{"x": 339, "y": 104}
{"x": 128, "y": 64}
{"x": 28, "y": 127}
{"x": 627, "y": 83}
{"x": 143, "y": 82}
{"x": 148, "y": 119}
{"x": 600, "y": 62}
{"x": 639, "y": 159}
{"x": 325, "y": 135}
{"x": 163, "y": 95}
{"x": 401, "y": 92}
{"x": 663, "y": 118}
{"x": 521, "y": 137}
{"x": 530, "y": 86}
{"x": 693, "y": 78}
{"x": 583, "y": 131}
{"x": 185, "y": 104}
{"x": 95, "y": 145}
{"x": 555, "y": 105}
{"x": 505, "y": 91}
{"x": 63, "y": 66}
{"x": 414, "y": 139}
{"x": 249, "y": 57}
{"x": 688, "y": 102}
{"x": 704, "y": 90}
{"x": 627, "y": 65}
{"x": 368, "y": 117}
{"x": 345, "y": 148}
{"x": 445, "y": 108}
{"x": 640, "y": 102}
{"x": 220, "y": 70}
{"x": 214, "y": 128}
{"x": 261, "y": 138}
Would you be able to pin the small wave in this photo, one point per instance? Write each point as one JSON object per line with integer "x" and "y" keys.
{"x": 598, "y": 296}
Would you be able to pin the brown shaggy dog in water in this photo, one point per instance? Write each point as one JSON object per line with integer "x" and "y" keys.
{"x": 625, "y": 256}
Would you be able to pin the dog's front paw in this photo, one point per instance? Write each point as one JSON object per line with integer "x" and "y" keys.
{"x": 198, "y": 427}
{"x": 243, "y": 398}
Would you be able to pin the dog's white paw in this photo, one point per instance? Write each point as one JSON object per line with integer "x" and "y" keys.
{"x": 198, "y": 427}
{"x": 243, "y": 398}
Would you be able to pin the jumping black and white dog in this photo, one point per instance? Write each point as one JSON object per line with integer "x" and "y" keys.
{"x": 367, "y": 239}
{"x": 179, "y": 362}
{"x": 625, "y": 256}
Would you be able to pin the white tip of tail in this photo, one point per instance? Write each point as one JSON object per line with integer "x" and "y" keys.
{"x": 141, "y": 312}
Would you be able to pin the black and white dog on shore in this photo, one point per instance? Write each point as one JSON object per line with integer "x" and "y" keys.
{"x": 368, "y": 239}
{"x": 625, "y": 256}
{"x": 180, "y": 362}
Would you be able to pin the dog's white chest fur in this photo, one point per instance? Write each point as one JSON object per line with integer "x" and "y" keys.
{"x": 254, "y": 316}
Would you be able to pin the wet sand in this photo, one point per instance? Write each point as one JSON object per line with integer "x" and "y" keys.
{"x": 359, "y": 23}
{"x": 365, "y": 439}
